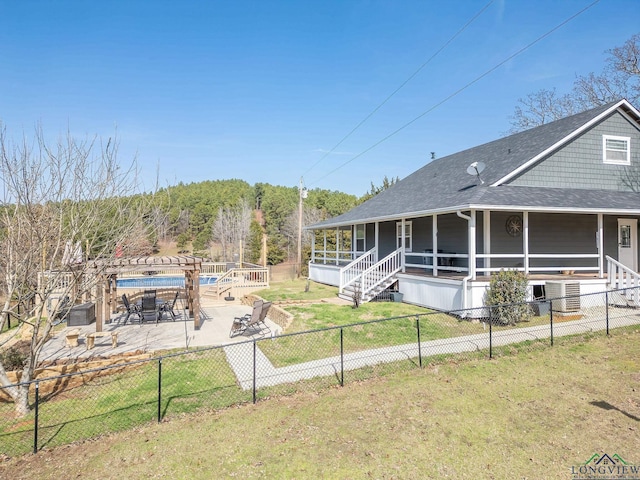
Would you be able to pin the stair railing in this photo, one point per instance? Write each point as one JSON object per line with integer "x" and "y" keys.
{"x": 351, "y": 273}
{"x": 621, "y": 276}
{"x": 380, "y": 272}
{"x": 624, "y": 279}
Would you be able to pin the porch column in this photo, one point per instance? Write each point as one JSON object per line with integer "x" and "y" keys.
{"x": 338, "y": 246}
{"x": 313, "y": 246}
{"x": 377, "y": 237}
{"x": 352, "y": 253}
{"x": 434, "y": 242}
{"x": 486, "y": 239}
{"x": 472, "y": 245}
{"x": 402, "y": 243}
{"x": 600, "y": 245}
{"x": 324, "y": 250}
{"x": 525, "y": 241}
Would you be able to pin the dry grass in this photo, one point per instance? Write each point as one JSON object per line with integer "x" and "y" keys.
{"x": 533, "y": 415}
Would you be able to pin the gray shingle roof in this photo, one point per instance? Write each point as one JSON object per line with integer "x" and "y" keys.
{"x": 443, "y": 184}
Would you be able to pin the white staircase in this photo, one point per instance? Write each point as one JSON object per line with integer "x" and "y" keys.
{"x": 623, "y": 283}
{"x": 365, "y": 278}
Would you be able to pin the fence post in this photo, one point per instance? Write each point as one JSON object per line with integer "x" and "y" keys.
{"x": 606, "y": 309}
{"x": 551, "y": 319}
{"x": 254, "y": 372}
{"x": 159, "y": 388}
{"x": 35, "y": 422}
{"x": 490, "y": 337}
{"x": 341, "y": 358}
{"x": 419, "y": 345}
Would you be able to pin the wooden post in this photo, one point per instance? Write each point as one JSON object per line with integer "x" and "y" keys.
{"x": 100, "y": 304}
{"x": 196, "y": 299}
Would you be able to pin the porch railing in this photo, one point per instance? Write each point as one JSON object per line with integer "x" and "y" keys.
{"x": 352, "y": 272}
{"x": 458, "y": 262}
{"x": 335, "y": 257}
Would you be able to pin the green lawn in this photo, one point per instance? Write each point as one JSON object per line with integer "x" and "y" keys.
{"x": 295, "y": 290}
{"x": 124, "y": 400}
{"x": 535, "y": 414}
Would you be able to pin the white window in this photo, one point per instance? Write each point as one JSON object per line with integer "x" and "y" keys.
{"x": 360, "y": 238}
{"x": 407, "y": 235}
{"x": 616, "y": 150}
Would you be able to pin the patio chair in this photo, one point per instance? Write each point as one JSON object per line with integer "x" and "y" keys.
{"x": 132, "y": 309}
{"x": 264, "y": 328}
{"x": 149, "y": 305}
{"x": 240, "y": 324}
{"x": 167, "y": 307}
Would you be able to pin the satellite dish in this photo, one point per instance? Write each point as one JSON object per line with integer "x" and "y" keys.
{"x": 475, "y": 169}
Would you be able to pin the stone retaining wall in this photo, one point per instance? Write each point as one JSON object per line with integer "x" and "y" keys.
{"x": 81, "y": 369}
{"x": 276, "y": 314}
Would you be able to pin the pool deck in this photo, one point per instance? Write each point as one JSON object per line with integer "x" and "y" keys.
{"x": 148, "y": 337}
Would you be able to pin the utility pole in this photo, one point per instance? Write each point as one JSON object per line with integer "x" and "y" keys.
{"x": 302, "y": 193}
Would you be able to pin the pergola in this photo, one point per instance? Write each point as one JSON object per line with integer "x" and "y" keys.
{"x": 108, "y": 271}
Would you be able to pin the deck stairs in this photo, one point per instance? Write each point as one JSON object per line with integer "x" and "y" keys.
{"x": 623, "y": 284}
{"x": 365, "y": 277}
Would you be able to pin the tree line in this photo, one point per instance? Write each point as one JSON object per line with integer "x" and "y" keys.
{"x": 223, "y": 219}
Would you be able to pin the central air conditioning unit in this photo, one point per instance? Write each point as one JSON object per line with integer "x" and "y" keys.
{"x": 564, "y": 294}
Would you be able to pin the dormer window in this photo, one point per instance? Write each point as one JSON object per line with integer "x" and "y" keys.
{"x": 616, "y": 150}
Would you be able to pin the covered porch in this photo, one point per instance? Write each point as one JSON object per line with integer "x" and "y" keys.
{"x": 446, "y": 258}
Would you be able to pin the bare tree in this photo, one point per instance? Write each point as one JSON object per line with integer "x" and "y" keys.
{"x": 630, "y": 178}
{"x": 310, "y": 216}
{"x": 62, "y": 205}
{"x": 231, "y": 228}
{"x": 160, "y": 220}
{"x": 620, "y": 78}
{"x": 541, "y": 107}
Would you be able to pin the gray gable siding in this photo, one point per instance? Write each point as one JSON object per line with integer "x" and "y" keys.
{"x": 580, "y": 164}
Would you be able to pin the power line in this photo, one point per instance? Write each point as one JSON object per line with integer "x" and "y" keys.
{"x": 400, "y": 87}
{"x": 446, "y": 99}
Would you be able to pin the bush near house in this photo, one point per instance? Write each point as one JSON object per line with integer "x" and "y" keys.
{"x": 508, "y": 290}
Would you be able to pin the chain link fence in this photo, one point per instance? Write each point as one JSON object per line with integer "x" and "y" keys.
{"x": 88, "y": 403}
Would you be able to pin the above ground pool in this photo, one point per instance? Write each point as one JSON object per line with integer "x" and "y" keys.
{"x": 153, "y": 281}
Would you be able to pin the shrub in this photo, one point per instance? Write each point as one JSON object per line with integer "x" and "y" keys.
{"x": 14, "y": 357}
{"x": 508, "y": 292}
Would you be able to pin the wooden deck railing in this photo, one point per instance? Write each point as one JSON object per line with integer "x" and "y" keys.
{"x": 241, "y": 278}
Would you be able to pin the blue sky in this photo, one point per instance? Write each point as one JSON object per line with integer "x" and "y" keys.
{"x": 262, "y": 90}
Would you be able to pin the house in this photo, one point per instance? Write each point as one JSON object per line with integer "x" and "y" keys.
{"x": 557, "y": 201}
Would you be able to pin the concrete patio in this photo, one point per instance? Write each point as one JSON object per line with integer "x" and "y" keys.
{"x": 216, "y": 320}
